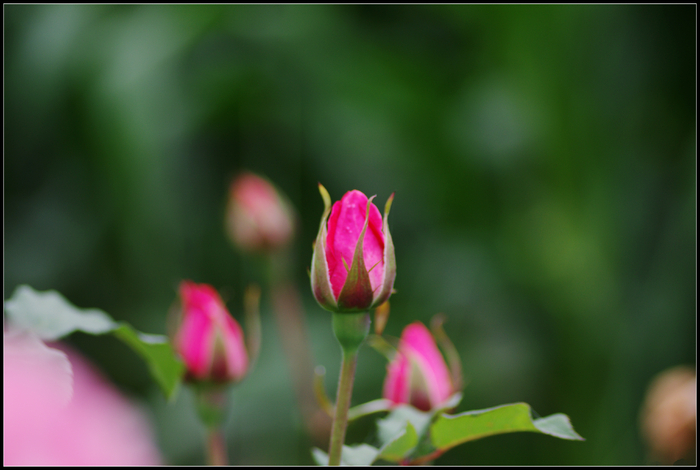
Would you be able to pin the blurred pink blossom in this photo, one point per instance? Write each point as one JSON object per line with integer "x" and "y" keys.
{"x": 669, "y": 415}
{"x": 47, "y": 423}
{"x": 258, "y": 217}
{"x": 418, "y": 374}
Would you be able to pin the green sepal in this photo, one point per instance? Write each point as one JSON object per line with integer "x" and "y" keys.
{"x": 396, "y": 449}
{"x": 357, "y": 295}
{"x": 320, "y": 280}
{"x": 389, "y": 259}
{"x": 360, "y": 454}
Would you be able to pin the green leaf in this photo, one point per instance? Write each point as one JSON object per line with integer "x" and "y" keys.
{"x": 320, "y": 457}
{"x": 395, "y": 450}
{"x": 449, "y": 431}
{"x": 362, "y": 454}
{"x": 395, "y": 423}
{"x": 557, "y": 425}
{"x": 50, "y": 316}
{"x": 165, "y": 368}
{"x": 374, "y": 406}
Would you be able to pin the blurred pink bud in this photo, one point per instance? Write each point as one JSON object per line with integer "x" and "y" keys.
{"x": 45, "y": 424}
{"x": 669, "y": 415}
{"x": 258, "y": 217}
{"x": 208, "y": 339}
{"x": 353, "y": 267}
{"x": 418, "y": 374}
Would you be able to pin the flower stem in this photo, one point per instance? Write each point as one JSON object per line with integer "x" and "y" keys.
{"x": 342, "y": 404}
{"x": 350, "y": 330}
{"x": 212, "y": 401}
{"x": 216, "y": 447}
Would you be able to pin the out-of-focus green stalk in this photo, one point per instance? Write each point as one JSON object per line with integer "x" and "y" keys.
{"x": 216, "y": 447}
{"x": 212, "y": 403}
{"x": 289, "y": 316}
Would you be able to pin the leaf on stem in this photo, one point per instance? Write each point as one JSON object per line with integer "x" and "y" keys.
{"x": 361, "y": 454}
{"x": 50, "y": 317}
{"x": 448, "y": 431}
{"x": 396, "y": 449}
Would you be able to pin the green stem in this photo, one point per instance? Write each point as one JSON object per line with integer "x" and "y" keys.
{"x": 216, "y": 447}
{"x": 212, "y": 401}
{"x": 350, "y": 330}
{"x": 342, "y": 404}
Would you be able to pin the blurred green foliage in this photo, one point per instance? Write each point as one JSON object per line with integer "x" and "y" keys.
{"x": 543, "y": 159}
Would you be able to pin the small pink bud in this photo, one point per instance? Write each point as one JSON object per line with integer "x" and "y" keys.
{"x": 208, "y": 339}
{"x": 418, "y": 374}
{"x": 258, "y": 217}
{"x": 353, "y": 267}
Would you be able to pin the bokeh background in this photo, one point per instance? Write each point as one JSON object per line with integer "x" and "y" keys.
{"x": 543, "y": 159}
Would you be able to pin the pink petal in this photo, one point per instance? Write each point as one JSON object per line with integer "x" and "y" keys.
{"x": 398, "y": 379}
{"x": 195, "y": 337}
{"x": 344, "y": 227}
{"x": 236, "y": 354}
{"x": 195, "y": 341}
{"x": 417, "y": 342}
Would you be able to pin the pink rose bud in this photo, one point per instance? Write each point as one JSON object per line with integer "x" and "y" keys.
{"x": 353, "y": 266}
{"x": 418, "y": 374}
{"x": 208, "y": 339}
{"x": 258, "y": 217}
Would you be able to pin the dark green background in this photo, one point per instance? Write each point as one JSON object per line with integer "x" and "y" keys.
{"x": 543, "y": 158}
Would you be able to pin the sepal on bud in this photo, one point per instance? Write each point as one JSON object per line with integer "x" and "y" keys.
{"x": 320, "y": 279}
